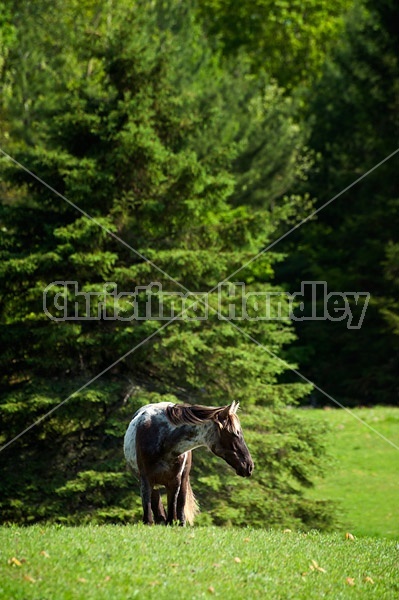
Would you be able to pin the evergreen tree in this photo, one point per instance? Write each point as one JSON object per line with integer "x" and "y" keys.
{"x": 288, "y": 40}
{"x": 353, "y": 244}
{"x": 146, "y": 174}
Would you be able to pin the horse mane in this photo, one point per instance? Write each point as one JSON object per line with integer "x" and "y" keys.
{"x": 196, "y": 414}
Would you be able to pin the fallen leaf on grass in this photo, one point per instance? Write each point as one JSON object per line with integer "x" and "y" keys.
{"x": 350, "y": 581}
{"x": 45, "y": 554}
{"x": 368, "y": 580}
{"x": 15, "y": 562}
{"x": 82, "y": 580}
{"x": 237, "y": 559}
{"x": 29, "y": 578}
{"x": 107, "y": 578}
{"x": 316, "y": 567}
{"x": 349, "y": 536}
{"x": 247, "y": 539}
{"x": 211, "y": 589}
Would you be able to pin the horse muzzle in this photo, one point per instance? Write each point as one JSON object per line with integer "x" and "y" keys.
{"x": 245, "y": 470}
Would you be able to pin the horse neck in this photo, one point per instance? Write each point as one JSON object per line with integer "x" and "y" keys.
{"x": 188, "y": 437}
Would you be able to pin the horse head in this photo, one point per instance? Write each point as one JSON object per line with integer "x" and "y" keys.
{"x": 228, "y": 441}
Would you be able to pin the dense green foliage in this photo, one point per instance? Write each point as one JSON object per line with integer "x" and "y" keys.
{"x": 159, "y": 142}
{"x": 128, "y": 562}
{"x": 289, "y": 40}
{"x": 354, "y": 244}
{"x": 160, "y": 167}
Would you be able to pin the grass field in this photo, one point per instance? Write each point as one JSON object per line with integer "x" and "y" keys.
{"x": 364, "y": 477}
{"x": 126, "y": 562}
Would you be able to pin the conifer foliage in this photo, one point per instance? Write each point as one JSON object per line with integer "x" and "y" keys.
{"x": 354, "y": 244}
{"x": 143, "y": 154}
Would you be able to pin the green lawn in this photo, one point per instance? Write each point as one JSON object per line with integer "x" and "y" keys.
{"x": 364, "y": 477}
{"x": 125, "y": 562}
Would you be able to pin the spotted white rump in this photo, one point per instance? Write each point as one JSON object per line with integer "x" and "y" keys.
{"x": 143, "y": 415}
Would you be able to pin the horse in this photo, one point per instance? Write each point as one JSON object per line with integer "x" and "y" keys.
{"x": 158, "y": 448}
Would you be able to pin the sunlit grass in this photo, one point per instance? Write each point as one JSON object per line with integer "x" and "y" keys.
{"x": 120, "y": 563}
{"x": 364, "y": 478}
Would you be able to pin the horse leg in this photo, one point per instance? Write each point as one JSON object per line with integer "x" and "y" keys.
{"x": 157, "y": 507}
{"x": 182, "y": 495}
{"x": 172, "y": 493}
{"x": 181, "y": 503}
{"x": 177, "y": 490}
{"x": 145, "y": 488}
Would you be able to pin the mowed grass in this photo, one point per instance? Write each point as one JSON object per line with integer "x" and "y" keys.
{"x": 364, "y": 477}
{"x": 125, "y": 562}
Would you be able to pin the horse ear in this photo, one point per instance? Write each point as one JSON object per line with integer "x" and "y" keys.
{"x": 230, "y": 409}
{"x": 223, "y": 414}
{"x": 233, "y": 408}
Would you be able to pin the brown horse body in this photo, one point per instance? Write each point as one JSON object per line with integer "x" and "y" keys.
{"x": 158, "y": 445}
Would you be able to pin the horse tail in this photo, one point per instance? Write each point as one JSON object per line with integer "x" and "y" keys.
{"x": 191, "y": 508}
